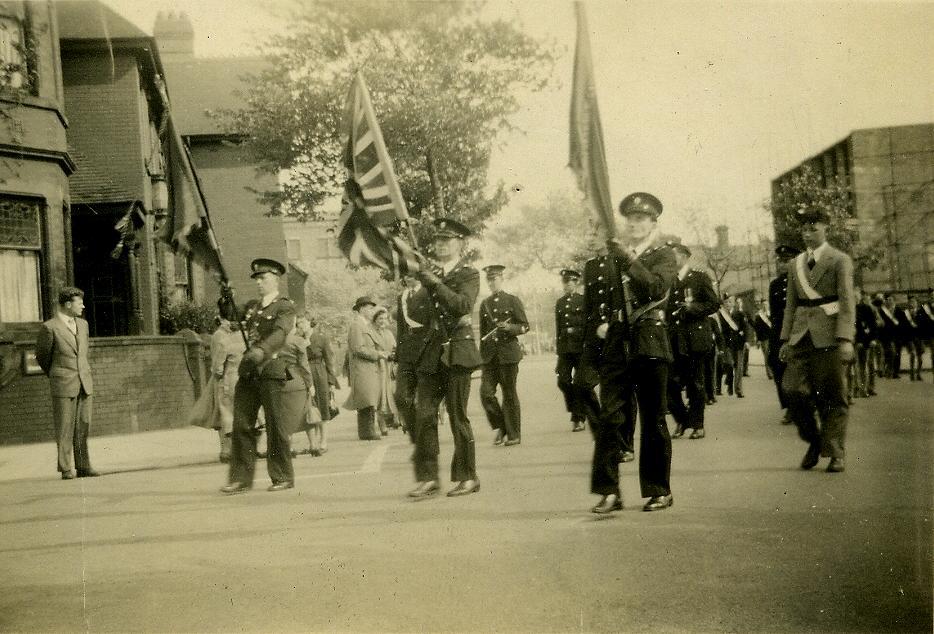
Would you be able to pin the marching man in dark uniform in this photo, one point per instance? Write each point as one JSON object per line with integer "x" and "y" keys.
{"x": 636, "y": 354}
{"x": 502, "y": 319}
{"x": 778, "y": 292}
{"x": 579, "y": 399}
{"x": 692, "y": 301}
{"x": 446, "y": 363}
{"x": 817, "y": 339}
{"x": 412, "y": 319}
{"x": 267, "y": 322}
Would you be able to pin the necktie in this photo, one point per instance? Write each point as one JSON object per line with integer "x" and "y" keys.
{"x": 811, "y": 260}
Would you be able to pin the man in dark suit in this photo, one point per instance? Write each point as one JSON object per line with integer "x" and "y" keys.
{"x": 864, "y": 369}
{"x": 909, "y": 336}
{"x": 817, "y": 339}
{"x": 733, "y": 326}
{"x": 502, "y": 319}
{"x": 412, "y": 320}
{"x": 580, "y": 400}
{"x": 692, "y": 301}
{"x": 636, "y": 353}
{"x": 778, "y": 292}
{"x": 267, "y": 322}
{"x": 925, "y": 318}
{"x": 762, "y": 327}
{"x": 62, "y": 353}
{"x": 889, "y": 336}
{"x": 449, "y": 357}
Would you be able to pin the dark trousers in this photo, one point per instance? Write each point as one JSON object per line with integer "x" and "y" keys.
{"x": 406, "y": 384}
{"x": 580, "y": 400}
{"x": 366, "y": 424}
{"x": 250, "y": 394}
{"x": 508, "y": 416}
{"x": 688, "y": 375}
{"x": 645, "y": 381}
{"x": 814, "y": 380}
{"x": 453, "y": 386}
{"x": 72, "y": 417}
{"x": 778, "y": 371}
{"x": 710, "y": 374}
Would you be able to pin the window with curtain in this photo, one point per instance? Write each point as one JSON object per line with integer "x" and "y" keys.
{"x": 20, "y": 253}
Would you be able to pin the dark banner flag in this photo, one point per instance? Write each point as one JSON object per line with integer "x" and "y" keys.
{"x": 587, "y": 154}
{"x": 188, "y": 227}
{"x": 374, "y": 214}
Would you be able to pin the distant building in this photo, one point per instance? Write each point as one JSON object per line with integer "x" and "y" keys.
{"x": 741, "y": 269}
{"x": 891, "y": 173}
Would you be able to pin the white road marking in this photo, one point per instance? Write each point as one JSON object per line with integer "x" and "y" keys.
{"x": 372, "y": 464}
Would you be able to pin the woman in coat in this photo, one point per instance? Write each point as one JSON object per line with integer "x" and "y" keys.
{"x": 386, "y": 413}
{"x": 321, "y": 363}
{"x": 296, "y": 390}
{"x": 363, "y": 368}
{"x": 214, "y": 409}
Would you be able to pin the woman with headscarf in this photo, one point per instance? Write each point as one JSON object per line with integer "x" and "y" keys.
{"x": 321, "y": 362}
{"x": 386, "y": 412}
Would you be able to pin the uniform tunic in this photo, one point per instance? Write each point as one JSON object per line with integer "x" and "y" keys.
{"x": 500, "y": 353}
{"x": 634, "y": 360}
{"x": 260, "y": 385}
{"x": 444, "y": 365}
{"x": 580, "y": 400}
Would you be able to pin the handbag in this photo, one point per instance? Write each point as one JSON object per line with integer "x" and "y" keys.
{"x": 333, "y": 411}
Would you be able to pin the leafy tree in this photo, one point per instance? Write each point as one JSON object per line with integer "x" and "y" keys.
{"x": 443, "y": 80}
{"x": 808, "y": 189}
{"x": 555, "y": 235}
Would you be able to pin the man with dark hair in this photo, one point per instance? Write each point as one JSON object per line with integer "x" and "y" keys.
{"x": 889, "y": 336}
{"x": 864, "y": 368}
{"x": 62, "y": 353}
{"x": 817, "y": 339}
{"x": 580, "y": 400}
{"x": 628, "y": 317}
{"x": 267, "y": 322}
{"x": 446, "y": 363}
{"x": 692, "y": 300}
{"x": 502, "y": 319}
{"x": 909, "y": 336}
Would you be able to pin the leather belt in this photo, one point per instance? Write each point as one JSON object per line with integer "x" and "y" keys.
{"x": 819, "y": 301}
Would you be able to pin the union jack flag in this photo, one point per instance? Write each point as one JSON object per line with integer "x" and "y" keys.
{"x": 374, "y": 216}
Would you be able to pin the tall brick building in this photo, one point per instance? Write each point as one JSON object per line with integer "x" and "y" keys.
{"x": 891, "y": 173}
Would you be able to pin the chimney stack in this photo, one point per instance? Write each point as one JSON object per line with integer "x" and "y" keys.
{"x": 174, "y": 35}
{"x": 723, "y": 237}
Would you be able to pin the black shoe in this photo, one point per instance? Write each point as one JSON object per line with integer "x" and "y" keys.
{"x": 608, "y": 504}
{"x": 464, "y": 488}
{"x": 659, "y": 503}
{"x": 697, "y": 434}
{"x": 679, "y": 431}
{"x": 87, "y": 473}
{"x": 512, "y": 441}
{"x": 424, "y": 489}
{"x": 811, "y": 457}
{"x": 871, "y": 392}
{"x": 500, "y": 437}
{"x": 282, "y": 486}
{"x": 578, "y": 426}
{"x": 740, "y": 395}
{"x": 627, "y": 456}
{"x": 236, "y": 487}
{"x": 69, "y": 475}
{"x": 224, "y": 458}
{"x": 711, "y": 401}
{"x": 837, "y": 465}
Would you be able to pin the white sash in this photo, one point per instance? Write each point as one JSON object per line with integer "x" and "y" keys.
{"x": 910, "y": 318}
{"x": 830, "y": 308}
{"x": 764, "y": 317}
{"x": 890, "y": 315}
{"x": 405, "y": 311}
{"x": 729, "y": 320}
{"x": 927, "y": 309}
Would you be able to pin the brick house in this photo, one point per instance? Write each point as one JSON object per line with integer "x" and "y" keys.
{"x": 200, "y": 88}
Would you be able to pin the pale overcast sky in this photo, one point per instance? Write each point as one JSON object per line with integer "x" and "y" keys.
{"x": 703, "y": 103}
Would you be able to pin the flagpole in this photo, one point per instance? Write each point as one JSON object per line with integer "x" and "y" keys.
{"x": 226, "y": 290}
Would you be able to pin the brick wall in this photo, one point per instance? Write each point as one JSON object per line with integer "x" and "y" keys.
{"x": 140, "y": 384}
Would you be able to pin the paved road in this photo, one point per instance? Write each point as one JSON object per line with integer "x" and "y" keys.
{"x": 752, "y": 543}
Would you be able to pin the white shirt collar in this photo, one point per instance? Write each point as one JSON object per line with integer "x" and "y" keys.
{"x": 683, "y": 273}
{"x": 268, "y": 299}
{"x": 68, "y": 319}
{"x": 640, "y": 248}
{"x": 816, "y": 253}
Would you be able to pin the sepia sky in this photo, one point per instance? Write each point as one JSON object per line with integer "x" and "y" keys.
{"x": 702, "y": 103}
